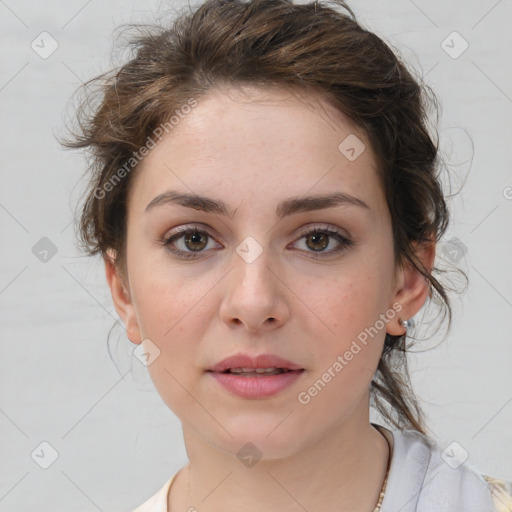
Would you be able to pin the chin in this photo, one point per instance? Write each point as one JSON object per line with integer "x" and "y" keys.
{"x": 268, "y": 437}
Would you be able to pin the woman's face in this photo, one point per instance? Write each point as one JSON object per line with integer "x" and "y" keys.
{"x": 251, "y": 281}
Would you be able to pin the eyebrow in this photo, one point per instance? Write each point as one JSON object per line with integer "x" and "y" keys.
{"x": 287, "y": 207}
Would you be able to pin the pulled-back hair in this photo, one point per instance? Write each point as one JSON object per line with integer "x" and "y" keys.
{"x": 313, "y": 47}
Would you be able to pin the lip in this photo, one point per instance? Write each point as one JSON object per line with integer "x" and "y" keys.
{"x": 255, "y": 387}
{"x": 247, "y": 361}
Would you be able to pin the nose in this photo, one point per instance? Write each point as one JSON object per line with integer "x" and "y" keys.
{"x": 255, "y": 295}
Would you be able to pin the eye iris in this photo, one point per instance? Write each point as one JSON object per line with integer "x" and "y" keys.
{"x": 195, "y": 237}
{"x": 315, "y": 237}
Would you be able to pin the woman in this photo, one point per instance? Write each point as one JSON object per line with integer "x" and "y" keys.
{"x": 266, "y": 200}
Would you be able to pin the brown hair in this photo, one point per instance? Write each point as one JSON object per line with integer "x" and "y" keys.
{"x": 313, "y": 47}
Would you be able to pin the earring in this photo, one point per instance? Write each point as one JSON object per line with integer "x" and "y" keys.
{"x": 407, "y": 324}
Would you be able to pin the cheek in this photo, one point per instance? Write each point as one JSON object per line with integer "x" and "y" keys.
{"x": 350, "y": 308}
{"x": 348, "y": 304}
{"x": 348, "y": 350}
{"x": 165, "y": 296}
{"x": 168, "y": 306}
{"x": 174, "y": 316}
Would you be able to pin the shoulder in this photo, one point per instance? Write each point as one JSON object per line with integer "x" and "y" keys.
{"x": 429, "y": 477}
{"x": 157, "y": 502}
{"x": 460, "y": 481}
{"x": 501, "y": 491}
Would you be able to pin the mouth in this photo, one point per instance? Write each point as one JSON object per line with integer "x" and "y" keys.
{"x": 258, "y": 372}
{"x": 256, "y": 383}
{"x": 246, "y": 364}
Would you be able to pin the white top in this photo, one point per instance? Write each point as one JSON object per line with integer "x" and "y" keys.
{"x": 420, "y": 480}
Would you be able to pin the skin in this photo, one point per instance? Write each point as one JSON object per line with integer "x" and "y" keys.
{"x": 252, "y": 148}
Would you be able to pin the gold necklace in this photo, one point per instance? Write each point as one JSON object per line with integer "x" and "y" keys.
{"x": 384, "y": 484}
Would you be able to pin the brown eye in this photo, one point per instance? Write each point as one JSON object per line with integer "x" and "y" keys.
{"x": 189, "y": 242}
{"x": 196, "y": 240}
{"x": 319, "y": 241}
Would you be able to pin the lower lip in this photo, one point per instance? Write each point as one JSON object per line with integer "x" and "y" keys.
{"x": 256, "y": 387}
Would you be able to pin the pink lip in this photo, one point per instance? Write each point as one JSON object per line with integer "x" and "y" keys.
{"x": 261, "y": 361}
{"x": 255, "y": 387}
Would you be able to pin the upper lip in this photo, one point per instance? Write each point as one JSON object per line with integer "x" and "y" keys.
{"x": 247, "y": 361}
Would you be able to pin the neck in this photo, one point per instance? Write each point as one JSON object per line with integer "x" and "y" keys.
{"x": 342, "y": 471}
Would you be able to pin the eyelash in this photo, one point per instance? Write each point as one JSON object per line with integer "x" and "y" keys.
{"x": 345, "y": 243}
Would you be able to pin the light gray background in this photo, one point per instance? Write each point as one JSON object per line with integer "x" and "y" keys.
{"x": 116, "y": 440}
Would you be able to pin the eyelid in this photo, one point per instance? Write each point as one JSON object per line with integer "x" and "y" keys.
{"x": 345, "y": 241}
{"x": 302, "y": 231}
{"x": 187, "y": 227}
{"x": 318, "y": 226}
{"x": 179, "y": 232}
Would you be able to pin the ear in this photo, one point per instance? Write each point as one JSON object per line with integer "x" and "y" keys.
{"x": 412, "y": 289}
{"x": 122, "y": 299}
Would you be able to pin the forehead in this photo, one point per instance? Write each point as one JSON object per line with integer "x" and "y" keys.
{"x": 250, "y": 140}
{"x": 271, "y": 116}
